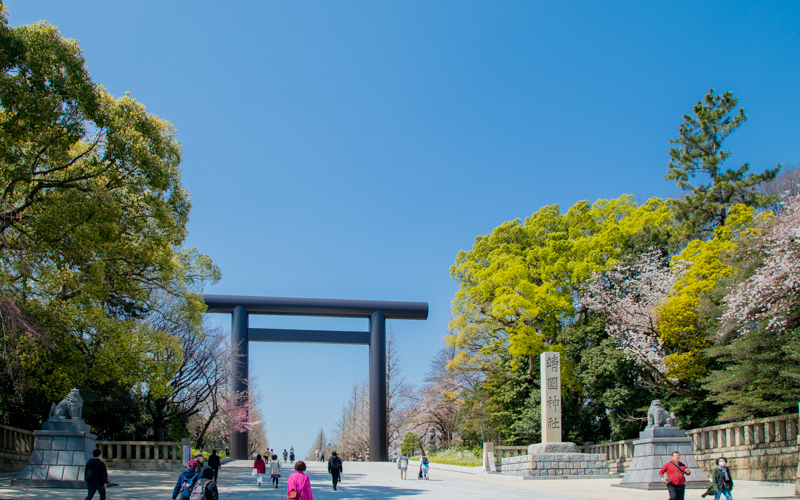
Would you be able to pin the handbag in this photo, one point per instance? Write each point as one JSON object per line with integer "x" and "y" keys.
{"x": 255, "y": 471}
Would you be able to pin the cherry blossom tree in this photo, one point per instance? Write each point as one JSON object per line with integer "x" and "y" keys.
{"x": 770, "y": 298}
{"x": 629, "y": 297}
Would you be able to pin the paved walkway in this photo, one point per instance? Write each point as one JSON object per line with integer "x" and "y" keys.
{"x": 368, "y": 481}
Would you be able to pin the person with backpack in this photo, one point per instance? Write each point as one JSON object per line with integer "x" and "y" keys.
{"x": 96, "y": 476}
{"x": 205, "y": 488}
{"x": 335, "y": 468}
{"x": 260, "y": 468}
{"x": 402, "y": 464}
{"x": 299, "y": 485}
{"x": 721, "y": 481}
{"x": 186, "y": 481}
{"x": 424, "y": 465}
{"x": 275, "y": 471}
{"x": 215, "y": 463}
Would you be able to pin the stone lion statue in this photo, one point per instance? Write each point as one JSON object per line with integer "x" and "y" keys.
{"x": 657, "y": 416}
{"x": 71, "y": 405}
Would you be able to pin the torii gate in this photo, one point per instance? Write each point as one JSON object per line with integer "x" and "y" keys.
{"x": 240, "y": 307}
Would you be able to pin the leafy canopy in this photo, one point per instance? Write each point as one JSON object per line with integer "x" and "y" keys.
{"x": 92, "y": 221}
{"x": 519, "y": 285}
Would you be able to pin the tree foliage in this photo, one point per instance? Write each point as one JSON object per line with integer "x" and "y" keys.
{"x": 92, "y": 222}
{"x": 699, "y": 151}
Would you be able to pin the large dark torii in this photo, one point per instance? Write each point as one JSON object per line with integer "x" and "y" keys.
{"x": 240, "y": 307}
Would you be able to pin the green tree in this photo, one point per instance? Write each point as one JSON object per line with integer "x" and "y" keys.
{"x": 411, "y": 443}
{"x": 92, "y": 221}
{"x": 698, "y": 151}
{"x": 518, "y": 285}
{"x": 757, "y": 375}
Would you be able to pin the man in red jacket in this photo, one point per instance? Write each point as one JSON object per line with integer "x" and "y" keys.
{"x": 676, "y": 482}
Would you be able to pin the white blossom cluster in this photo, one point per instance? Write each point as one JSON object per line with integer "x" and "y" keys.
{"x": 629, "y": 296}
{"x": 771, "y": 296}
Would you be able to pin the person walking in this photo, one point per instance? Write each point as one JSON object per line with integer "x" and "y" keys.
{"x": 215, "y": 463}
{"x": 316, "y": 454}
{"x": 675, "y": 471}
{"x": 424, "y": 465}
{"x": 291, "y": 455}
{"x": 285, "y": 455}
{"x": 335, "y": 468}
{"x": 721, "y": 481}
{"x": 205, "y": 488}
{"x": 201, "y": 462}
{"x": 186, "y": 481}
{"x": 275, "y": 470}
{"x": 260, "y": 468}
{"x": 322, "y": 456}
{"x": 299, "y": 484}
{"x": 402, "y": 464}
{"x": 96, "y": 476}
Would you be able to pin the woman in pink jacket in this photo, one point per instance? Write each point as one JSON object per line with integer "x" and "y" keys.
{"x": 300, "y": 482}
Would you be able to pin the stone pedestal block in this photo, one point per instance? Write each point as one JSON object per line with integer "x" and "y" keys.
{"x": 652, "y": 451}
{"x": 60, "y": 453}
{"x": 556, "y": 464}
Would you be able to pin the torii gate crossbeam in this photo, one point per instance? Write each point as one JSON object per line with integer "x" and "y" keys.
{"x": 240, "y": 307}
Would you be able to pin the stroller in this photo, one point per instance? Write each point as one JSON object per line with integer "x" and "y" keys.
{"x": 419, "y": 476}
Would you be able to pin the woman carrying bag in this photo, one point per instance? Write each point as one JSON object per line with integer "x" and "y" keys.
{"x": 259, "y": 469}
{"x": 299, "y": 487}
{"x": 721, "y": 481}
{"x": 275, "y": 471}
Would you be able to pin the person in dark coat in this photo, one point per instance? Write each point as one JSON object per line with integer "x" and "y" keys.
{"x": 201, "y": 462}
{"x": 335, "y": 468}
{"x": 96, "y": 476}
{"x": 214, "y": 463}
{"x": 210, "y": 491}
{"x": 188, "y": 477}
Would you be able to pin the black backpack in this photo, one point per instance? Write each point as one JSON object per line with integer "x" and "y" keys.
{"x": 425, "y": 460}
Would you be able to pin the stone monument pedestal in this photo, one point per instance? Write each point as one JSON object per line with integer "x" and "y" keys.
{"x": 60, "y": 453}
{"x": 652, "y": 451}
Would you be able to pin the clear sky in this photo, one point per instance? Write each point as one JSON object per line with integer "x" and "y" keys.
{"x": 351, "y": 149}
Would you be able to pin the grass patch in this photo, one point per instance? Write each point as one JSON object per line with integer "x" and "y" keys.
{"x": 454, "y": 457}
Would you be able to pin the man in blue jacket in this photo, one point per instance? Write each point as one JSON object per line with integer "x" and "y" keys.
{"x": 186, "y": 481}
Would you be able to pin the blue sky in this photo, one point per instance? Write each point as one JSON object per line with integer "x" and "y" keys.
{"x": 351, "y": 149}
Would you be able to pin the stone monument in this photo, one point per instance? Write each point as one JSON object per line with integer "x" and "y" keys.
{"x": 552, "y": 457}
{"x": 654, "y": 449}
{"x": 430, "y": 443}
{"x": 61, "y": 448}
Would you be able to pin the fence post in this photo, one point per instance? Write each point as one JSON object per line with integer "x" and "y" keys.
{"x": 488, "y": 447}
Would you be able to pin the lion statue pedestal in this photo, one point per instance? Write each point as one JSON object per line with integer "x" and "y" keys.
{"x": 654, "y": 448}
{"x": 61, "y": 449}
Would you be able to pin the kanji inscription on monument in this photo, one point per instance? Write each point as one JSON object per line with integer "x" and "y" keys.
{"x": 550, "y": 363}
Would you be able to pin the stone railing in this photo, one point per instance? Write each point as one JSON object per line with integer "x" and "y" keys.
{"x": 619, "y": 454}
{"x": 142, "y": 454}
{"x": 765, "y": 449}
{"x": 502, "y": 452}
{"x": 16, "y": 446}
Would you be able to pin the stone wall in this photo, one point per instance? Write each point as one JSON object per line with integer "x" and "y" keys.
{"x": 556, "y": 464}
{"x": 760, "y": 450}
